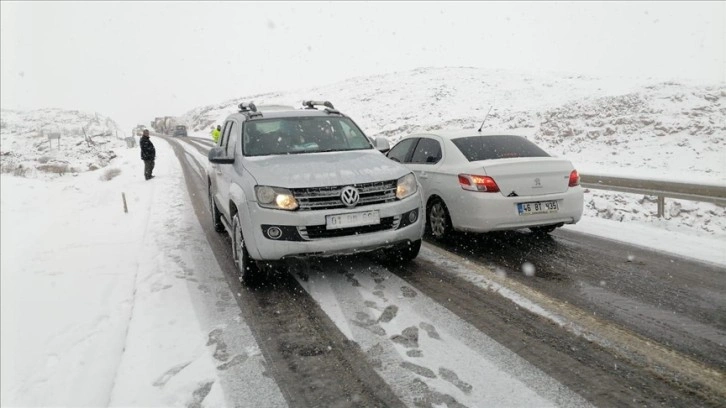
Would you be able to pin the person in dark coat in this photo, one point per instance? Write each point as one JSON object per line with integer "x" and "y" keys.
{"x": 148, "y": 154}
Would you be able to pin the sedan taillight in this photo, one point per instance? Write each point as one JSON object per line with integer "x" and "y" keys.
{"x": 574, "y": 179}
{"x": 478, "y": 183}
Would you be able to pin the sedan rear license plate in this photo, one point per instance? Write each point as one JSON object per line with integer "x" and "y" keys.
{"x": 539, "y": 207}
{"x": 352, "y": 219}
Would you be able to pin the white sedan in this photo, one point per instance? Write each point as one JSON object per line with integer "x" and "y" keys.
{"x": 482, "y": 182}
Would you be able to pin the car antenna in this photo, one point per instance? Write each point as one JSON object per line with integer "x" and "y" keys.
{"x": 485, "y": 118}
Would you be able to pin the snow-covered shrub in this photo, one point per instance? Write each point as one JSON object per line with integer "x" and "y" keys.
{"x": 56, "y": 168}
{"x": 110, "y": 174}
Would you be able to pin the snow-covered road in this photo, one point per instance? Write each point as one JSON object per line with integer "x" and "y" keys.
{"x": 102, "y": 307}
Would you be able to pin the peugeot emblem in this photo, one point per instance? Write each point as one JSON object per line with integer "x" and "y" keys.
{"x": 536, "y": 182}
{"x": 349, "y": 196}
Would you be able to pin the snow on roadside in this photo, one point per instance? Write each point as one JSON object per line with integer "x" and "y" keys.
{"x": 666, "y": 239}
{"x": 68, "y": 271}
{"x": 102, "y": 307}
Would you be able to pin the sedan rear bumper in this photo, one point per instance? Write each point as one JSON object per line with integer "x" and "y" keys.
{"x": 483, "y": 212}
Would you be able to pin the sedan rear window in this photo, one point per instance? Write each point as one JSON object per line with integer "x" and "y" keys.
{"x": 477, "y": 148}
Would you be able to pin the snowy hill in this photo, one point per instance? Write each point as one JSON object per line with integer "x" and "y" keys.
{"x": 665, "y": 127}
{"x": 592, "y": 121}
{"x": 87, "y": 141}
{"x": 620, "y": 127}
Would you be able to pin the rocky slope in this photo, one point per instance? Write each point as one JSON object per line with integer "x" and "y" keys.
{"x": 86, "y": 142}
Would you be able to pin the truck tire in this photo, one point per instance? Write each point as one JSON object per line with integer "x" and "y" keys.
{"x": 247, "y": 269}
{"x": 216, "y": 215}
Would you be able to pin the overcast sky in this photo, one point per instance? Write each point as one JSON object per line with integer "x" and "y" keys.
{"x": 136, "y": 60}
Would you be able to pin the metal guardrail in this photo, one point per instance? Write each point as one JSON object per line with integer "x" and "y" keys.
{"x": 685, "y": 191}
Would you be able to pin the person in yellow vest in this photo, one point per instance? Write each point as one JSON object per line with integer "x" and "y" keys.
{"x": 216, "y": 132}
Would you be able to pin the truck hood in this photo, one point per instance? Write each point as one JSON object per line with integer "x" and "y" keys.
{"x": 324, "y": 169}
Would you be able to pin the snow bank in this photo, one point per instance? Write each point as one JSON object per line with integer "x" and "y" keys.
{"x": 87, "y": 141}
{"x": 100, "y": 307}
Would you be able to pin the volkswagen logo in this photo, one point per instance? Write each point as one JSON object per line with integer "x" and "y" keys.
{"x": 349, "y": 196}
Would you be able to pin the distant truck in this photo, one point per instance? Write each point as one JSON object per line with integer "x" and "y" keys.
{"x": 166, "y": 125}
{"x": 180, "y": 130}
{"x": 139, "y": 130}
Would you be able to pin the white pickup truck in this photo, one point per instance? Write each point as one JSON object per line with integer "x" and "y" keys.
{"x": 307, "y": 182}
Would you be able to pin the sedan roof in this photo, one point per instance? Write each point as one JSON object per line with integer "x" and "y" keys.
{"x": 457, "y": 133}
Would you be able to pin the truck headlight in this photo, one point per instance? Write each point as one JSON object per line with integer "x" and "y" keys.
{"x": 275, "y": 197}
{"x": 406, "y": 186}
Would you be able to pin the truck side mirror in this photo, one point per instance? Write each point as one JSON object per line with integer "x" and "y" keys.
{"x": 382, "y": 144}
{"x": 219, "y": 155}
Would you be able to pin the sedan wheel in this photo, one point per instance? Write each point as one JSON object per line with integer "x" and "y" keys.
{"x": 246, "y": 266}
{"x": 439, "y": 222}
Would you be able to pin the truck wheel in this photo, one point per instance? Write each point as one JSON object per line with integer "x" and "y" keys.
{"x": 402, "y": 254}
{"x": 216, "y": 215}
{"x": 407, "y": 252}
{"x": 247, "y": 269}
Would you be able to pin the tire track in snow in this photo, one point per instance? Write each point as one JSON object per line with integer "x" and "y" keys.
{"x": 426, "y": 353}
{"x": 308, "y": 358}
{"x": 609, "y": 364}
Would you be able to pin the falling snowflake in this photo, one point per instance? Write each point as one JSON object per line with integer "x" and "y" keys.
{"x": 528, "y": 269}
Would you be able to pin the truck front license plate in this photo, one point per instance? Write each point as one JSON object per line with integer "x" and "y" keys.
{"x": 352, "y": 219}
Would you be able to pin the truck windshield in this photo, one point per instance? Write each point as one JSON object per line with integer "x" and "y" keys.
{"x": 302, "y": 135}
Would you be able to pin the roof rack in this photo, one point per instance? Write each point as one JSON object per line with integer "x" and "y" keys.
{"x": 329, "y": 106}
{"x": 249, "y": 109}
{"x": 247, "y": 106}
